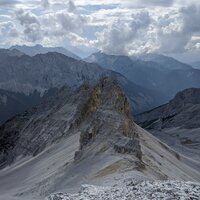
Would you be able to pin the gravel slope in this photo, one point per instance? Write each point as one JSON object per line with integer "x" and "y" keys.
{"x": 146, "y": 190}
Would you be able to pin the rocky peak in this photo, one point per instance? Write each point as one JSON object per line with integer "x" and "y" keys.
{"x": 182, "y": 111}
{"x": 105, "y": 120}
{"x": 101, "y": 113}
{"x": 106, "y": 94}
{"x": 185, "y": 97}
{"x": 10, "y": 53}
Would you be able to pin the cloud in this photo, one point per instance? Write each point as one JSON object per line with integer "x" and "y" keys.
{"x": 117, "y": 38}
{"x": 191, "y": 18}
{"x": 152, "y": 30}
{"x": 32, "y": 27}
{"x": 164, "y": 3}
{"x": 10, "y": 2}
{"x": 8, "y": 29}
{"x": 149, "y": 3}
{"x": 71, "y": 7}
{"x": 169, "y": 32}
{"x": 140, "y": 20}
{"x": 8, "y": 33}
{"x": 176, "y": 36}
{"x": 70, "y": 22}
{"x": 36, "y": 28}
{"x": 113, "y": 26}
{"x": 26, "y": 18}
{"x": 45, "y": 3}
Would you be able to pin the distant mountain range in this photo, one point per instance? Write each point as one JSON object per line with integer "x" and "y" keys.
{"x": 28, "y": 75}
{"x": 39, "y": 49}
{"x": 149, "y": 80}
{"x": 176, "y": 123}
{"x": 166, "y": 62}
{"x": 157, "y": 61}
{"x": 156, "y": 72}
{"x": 65, "y": 122}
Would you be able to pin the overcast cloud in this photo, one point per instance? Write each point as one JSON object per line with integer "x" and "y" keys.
{"x": 117, "y": 27}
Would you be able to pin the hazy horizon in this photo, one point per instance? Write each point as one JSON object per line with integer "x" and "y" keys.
{"x": 115, "y": 27}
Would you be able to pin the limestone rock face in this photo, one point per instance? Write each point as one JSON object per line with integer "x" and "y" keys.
{"x": 105, "y": 117}
{"x": 87, "y": 135}
{"x": 127, "y": 145}
{"x": 100, "y": 113}
{"x": 177, "y": 123}
{"x": 182, "y": 111}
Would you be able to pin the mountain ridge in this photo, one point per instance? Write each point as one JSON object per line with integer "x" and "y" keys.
{"x": 158, "y": 72}
{"x": 165, "y": 61}
{"x": 88, "y": 132}
{"x": 177, "y": 122}
{"x": 182, "y": 102}
{"x": 39, "y": 49}
{"x": 25, "y": 74}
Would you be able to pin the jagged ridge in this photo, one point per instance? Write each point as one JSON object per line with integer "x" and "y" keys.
{"x": 182, "y": 111}
{"x": 38, "y": 125}
{"x": 82, "y": 136}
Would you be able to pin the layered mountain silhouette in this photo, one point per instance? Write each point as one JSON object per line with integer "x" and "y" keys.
{"x": 78, "y": 136}
{"x": 182, "y": 111}
{"x": 65, "y": 122}
{"x": 12, "y": 103}
{"x": 157, "y": 72}
{"x": 28, "y": 75}
{"x": 166, "y": 62}
{"x": 177, "y": 123}
{"x": 39, "y": 49}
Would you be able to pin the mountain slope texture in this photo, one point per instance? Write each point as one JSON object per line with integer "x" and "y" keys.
{"x": 160, "y": 73}
{"x": 177, "y": 123}
{"x": 35, "y": 76}
{"x": 84, "y": 136}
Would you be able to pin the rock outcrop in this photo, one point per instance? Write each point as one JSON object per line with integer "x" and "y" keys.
{"x": 182, "y": 111}
{"x": 82, "y": 136}
{"x": 109, "y": 115}
{"x": 151, "y": 190}
{"x": 102, "y": 110}
{"x": 30, "y": 78}
{"x": 177, "y": 123}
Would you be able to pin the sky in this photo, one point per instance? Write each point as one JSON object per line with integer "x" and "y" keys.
{"x": 121, "y": 27}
